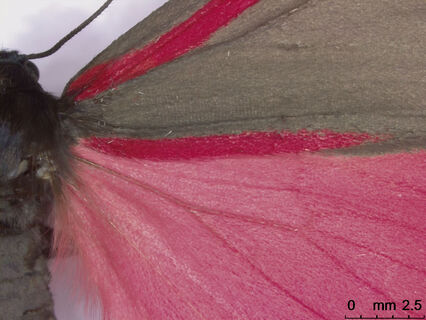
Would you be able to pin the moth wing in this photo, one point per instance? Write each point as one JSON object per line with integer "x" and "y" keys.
{"x": 209, "y": 67}
{"x": 284, "y": 236}
{"x": 246, "y": 231}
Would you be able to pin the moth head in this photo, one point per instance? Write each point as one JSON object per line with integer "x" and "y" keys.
{"x": 29, "y": 121}
{"x": 17, "y": 72}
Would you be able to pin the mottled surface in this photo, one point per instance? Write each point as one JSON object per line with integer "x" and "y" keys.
{"x": 24, "y": 277}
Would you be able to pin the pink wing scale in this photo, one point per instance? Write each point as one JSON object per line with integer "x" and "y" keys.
{"x": 251, "y": 237}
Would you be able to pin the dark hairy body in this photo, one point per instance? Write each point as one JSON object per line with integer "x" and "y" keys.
{"x": 34, "y": 144}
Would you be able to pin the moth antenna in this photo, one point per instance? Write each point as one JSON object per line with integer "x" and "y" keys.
{"x": 65, "y": 39}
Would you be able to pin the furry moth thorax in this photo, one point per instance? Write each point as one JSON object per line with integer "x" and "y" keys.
{"x": 33, "y": 143}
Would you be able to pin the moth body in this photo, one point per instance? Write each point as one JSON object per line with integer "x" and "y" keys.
{"x": 33, "y": 144}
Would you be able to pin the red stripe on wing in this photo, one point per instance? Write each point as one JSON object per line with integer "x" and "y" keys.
{"x": 183, "y": 38}
{"x": 250, "y": 143}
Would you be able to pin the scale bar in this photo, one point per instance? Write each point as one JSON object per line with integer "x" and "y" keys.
{"x": 377, "y": 317}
